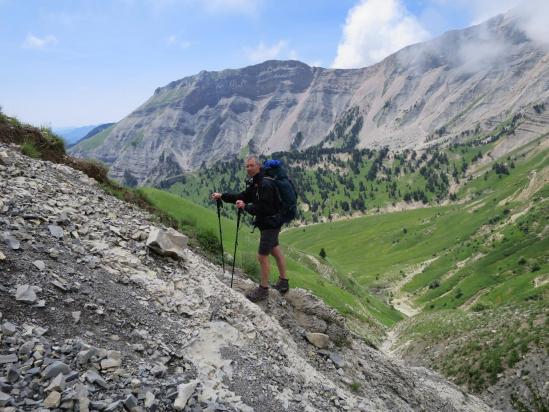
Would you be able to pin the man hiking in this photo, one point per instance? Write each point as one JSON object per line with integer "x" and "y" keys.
{"x": 261, "y": 200}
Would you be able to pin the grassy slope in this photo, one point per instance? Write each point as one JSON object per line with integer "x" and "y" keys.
{"x": 486, "y": 267}
{"x": 382, "y": 248}
{"x": 95, "y": 140}
{"x": 357, "y": 304}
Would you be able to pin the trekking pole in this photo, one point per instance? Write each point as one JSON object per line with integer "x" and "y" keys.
{"x": 219, "y": 206}
{"x": 235, "y": 243}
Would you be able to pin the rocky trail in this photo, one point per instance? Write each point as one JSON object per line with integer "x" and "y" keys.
{"x": 92, "y": 319}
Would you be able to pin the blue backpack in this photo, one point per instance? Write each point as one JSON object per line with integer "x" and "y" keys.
{"x": 285, "y": 189}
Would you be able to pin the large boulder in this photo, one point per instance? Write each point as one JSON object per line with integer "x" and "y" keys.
{"x": 168, "y": 242}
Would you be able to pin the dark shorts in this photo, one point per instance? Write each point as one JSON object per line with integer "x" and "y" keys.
{"x": 268, "y": 240}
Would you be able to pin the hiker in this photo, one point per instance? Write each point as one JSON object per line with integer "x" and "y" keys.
{"x": 261, "y": 200}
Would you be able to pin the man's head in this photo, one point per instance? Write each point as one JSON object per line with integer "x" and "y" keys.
{"x": 252, "y": 166}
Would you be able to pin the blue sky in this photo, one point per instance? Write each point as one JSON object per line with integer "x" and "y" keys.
{"x": 72, "y": 63}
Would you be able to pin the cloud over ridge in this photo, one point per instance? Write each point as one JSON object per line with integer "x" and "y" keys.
{"x": 373, "y": 30}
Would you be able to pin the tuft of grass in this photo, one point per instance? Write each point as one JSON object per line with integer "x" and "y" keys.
{"x": 250, "y": 265}
{"x": 209, "y": 241}
{"x": 29, "y": 149}
{"x": 36, "y": 142}
{"x": 93, "y": 168}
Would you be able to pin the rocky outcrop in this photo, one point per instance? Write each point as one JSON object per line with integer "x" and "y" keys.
{"x": 443, "y": 89}
{"x": 115, "y": 327}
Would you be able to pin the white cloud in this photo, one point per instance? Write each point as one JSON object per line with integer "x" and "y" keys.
{"x": 534, "y": 20}
{"x": 173, "y": 40}
{"x": 373, "y": 30}
{"x": 293, "y": 54}
{"x": 35, "y": 42}
{"x": 485, "y": 9}
{"x": 533, "y": 14}
{"x": 264, "y": 52}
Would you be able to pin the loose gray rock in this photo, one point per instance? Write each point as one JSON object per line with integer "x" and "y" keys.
{"x": 149, "y": 399}
{"x": 159, "y": 370}
{"x": 76, "y": 316}
{"x": 39, "y": 264}
{"x": 11, "y": 358}
{"x": 95, "y": 378}
{"x": 53, "y": 400}
{"x": 113, "y": 406}
{"x": 184, "y": 392}
{"x": 110, "y": 363}
{"x": 130, "y": 403}
{"x": 56, "y": 231}
{"x": 57, "y": 383}
{"x": 82, "y": 397}
{"x": 320, "y": 340}
{"x": 8, "y": 328}
{"x": 5, "y": 399}
{"x": 26, "y": 293}
{"x": 55, "y": 369}
{"x": 337, "y": 360}
{"x": 139, "y": 235}
{"x": 13, "y": 375}
{"x": 11, "y": 241}
{"x": 27, "y": 347}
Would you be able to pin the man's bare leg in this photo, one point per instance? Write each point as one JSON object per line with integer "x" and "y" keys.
{"x": 280, "y": 261}
{"x": 264, "y": 264}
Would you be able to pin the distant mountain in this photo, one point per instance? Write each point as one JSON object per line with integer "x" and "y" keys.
{"x": 460, "y": 83}
{"x": 73, "y": 134}
{"x": 96, "y": 130}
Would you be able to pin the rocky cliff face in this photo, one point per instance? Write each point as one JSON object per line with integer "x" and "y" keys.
{"x": 92, "y": 320}
{"x": 445, "y": 88}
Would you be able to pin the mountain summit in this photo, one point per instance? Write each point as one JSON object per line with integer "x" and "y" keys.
{"x": 461, "y": 82}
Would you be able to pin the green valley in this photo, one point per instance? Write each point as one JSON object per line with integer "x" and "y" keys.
{"x": 469, "y": 257}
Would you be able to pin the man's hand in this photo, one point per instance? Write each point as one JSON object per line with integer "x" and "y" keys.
{"x": 216, "y": 196}
{"x": 240, "y": 204}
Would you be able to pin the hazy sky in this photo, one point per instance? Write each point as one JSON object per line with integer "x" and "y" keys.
{"x": 72, "y": 63}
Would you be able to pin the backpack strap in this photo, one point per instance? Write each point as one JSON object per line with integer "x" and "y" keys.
{"x": 272, "y": 179}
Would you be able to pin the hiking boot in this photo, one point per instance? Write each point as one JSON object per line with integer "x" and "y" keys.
{"x": 282, "y": 285}
{"x": 257, "y": 294}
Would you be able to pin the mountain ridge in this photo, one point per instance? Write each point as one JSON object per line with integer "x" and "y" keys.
{"x": 426, "y": 93}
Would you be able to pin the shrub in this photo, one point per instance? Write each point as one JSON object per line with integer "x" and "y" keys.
{"x": 434, "y": 284}
{"x": 479, "y": 307}
{"x": 322, "y": 253}
{"x": 93, "y": 168}
{"x": 29, "y": 149}
{"x": 208, "y": 241}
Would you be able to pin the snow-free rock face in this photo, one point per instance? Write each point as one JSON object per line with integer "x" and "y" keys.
{"x": 436, "y": 90}
{"x": 114, "y": 326}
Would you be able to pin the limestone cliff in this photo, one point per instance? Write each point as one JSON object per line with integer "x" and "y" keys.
{"x": 459, "y": 83}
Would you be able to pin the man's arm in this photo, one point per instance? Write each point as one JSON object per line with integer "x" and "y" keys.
{"x": 233, "y": 197}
